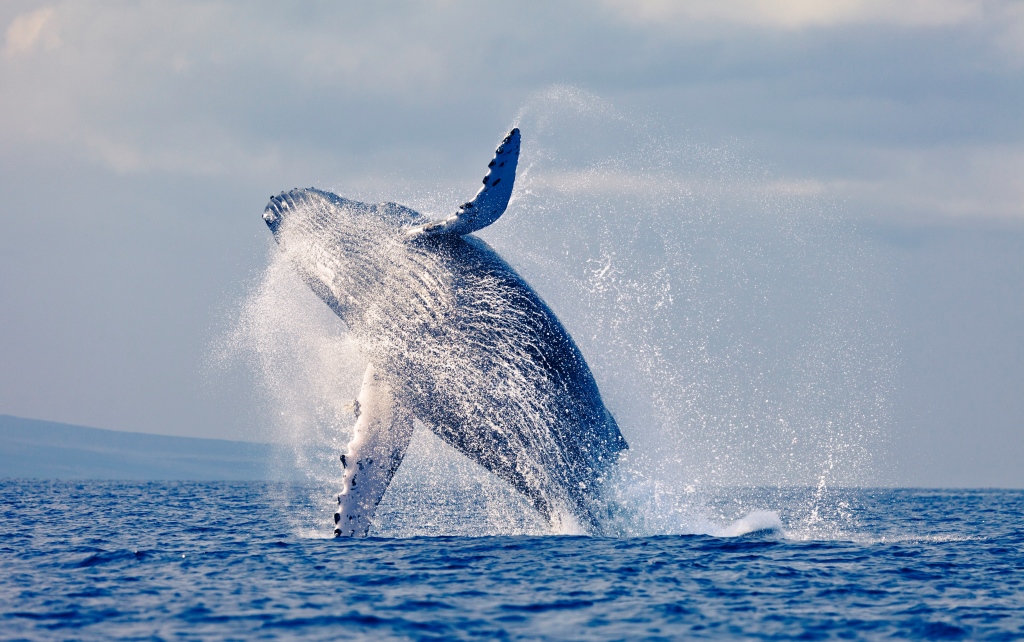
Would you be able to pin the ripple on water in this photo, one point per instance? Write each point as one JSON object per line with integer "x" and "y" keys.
{"x": 925, "y": 567}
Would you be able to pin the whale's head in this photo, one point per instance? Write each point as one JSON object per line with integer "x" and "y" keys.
{"x": 345, "y": 249}
{"x": 340, "y": 247}
{"x": 316, "y": 214}
{"x": 315, "y": 211}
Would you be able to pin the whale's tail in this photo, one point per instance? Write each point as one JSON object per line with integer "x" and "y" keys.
{"x": 490, "y": 202}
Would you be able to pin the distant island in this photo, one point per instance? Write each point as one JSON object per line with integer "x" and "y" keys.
{"x": 31, "y": 448}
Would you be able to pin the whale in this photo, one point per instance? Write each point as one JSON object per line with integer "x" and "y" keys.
{"x": 454, "y": 339}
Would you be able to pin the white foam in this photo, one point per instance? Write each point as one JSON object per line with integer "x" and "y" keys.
{"x": 754, "y": 522}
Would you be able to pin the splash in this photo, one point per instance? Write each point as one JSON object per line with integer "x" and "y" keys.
{"x": 735, "y": 323}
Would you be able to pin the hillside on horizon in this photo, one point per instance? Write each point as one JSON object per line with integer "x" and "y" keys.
{"x": 33, "y": 448}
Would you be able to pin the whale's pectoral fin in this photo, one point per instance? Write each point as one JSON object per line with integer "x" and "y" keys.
{"x": 380, "y": 438}
{"x": 490, "y": 202}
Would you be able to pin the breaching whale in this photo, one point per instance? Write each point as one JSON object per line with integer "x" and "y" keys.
{"x": 456, "y": 339}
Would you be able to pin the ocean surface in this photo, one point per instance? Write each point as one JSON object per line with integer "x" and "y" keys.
{"x": 207, "y": 560}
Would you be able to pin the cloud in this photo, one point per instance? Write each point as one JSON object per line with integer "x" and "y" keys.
{"x": 940, "y": 184}
{"x": 30, "y": 29}
{"x": 615, "y": 181}
{"x": 169, "y": 86}
{"x": 359, "y": 94}
{"x": 1010, "y": 37}
{"x": 999, "y": 23}
{"x": 209, "y": 154}
{"x": 799, "y": 14}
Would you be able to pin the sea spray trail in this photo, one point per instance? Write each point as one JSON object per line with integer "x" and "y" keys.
{"x": 734, "y": 325}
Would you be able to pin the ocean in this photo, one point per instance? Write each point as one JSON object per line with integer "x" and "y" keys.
{"x": 230, "y": 560}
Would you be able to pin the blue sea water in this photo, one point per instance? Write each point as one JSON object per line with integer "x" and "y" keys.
{"x": 200, "y": 560}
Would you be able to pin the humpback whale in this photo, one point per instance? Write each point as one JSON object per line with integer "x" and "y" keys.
{"x": 456, "y": 339}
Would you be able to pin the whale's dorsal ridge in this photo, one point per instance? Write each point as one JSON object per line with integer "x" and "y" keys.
{"x": 490, "y": 202}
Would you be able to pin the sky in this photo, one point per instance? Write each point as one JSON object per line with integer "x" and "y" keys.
{"x": 139, "y": 143}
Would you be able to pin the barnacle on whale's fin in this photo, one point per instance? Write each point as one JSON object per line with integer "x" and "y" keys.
{"x": 490, "y": 202}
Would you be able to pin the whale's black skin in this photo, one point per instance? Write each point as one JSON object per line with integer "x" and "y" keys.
{"x": 464, "y": 342}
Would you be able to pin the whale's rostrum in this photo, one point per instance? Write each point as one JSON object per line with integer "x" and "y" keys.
{"x": 456, "y": 339}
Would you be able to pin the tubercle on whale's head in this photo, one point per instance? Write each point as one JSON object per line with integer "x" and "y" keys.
{"x": 273, "y": 215}
{"x": 277, "y": 209}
